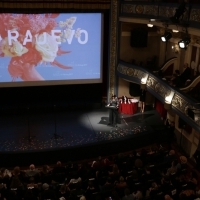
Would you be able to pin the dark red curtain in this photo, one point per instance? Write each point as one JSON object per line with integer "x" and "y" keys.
{"x": 159, "y": 106}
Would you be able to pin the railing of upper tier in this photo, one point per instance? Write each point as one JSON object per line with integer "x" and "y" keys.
{"x": 180, "y": 102}
{"x": 161, "y": 11}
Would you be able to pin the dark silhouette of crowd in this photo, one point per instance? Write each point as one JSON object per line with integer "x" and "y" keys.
{"x": 151, "y": 173}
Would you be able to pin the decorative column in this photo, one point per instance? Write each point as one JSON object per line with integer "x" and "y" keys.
{"x": 113, "y": 48}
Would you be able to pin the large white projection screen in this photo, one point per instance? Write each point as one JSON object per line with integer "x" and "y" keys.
{"x": 50, "y": 49}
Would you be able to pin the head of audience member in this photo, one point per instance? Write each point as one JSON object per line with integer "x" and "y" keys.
{"x": 32, "y": 167}
{"x": 82, "y": 198}
{"x": 167, "y": 197}
{"x": 185, "y": 65}
{"x": 183, "y": 160}
{"x": 45, "y": 169}
{"x": 45, "y": 186}
{"x": 177, "y": 72}
{"x": 58, "y": 164}
{"x": 127, "y": 192}
{"x": 138, "y": 163}
{"x": 115, "y": 169}
{"x": 16, "y": 171}
{"x": 134, "y": 174}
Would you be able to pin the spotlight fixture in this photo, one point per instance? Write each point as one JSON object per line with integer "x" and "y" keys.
{"x": 166, "y": 36}
{"x": 175, "y": 31}
{"x": 184, "y": 43}
{"x": 150, "y": 25}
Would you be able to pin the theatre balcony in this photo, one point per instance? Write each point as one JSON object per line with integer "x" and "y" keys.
{"x": 157, "y": 40}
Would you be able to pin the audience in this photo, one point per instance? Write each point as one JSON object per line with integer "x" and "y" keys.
{"x": 150, "y": 174}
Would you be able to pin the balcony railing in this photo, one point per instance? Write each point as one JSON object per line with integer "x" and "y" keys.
{"x": 181, "y": 103}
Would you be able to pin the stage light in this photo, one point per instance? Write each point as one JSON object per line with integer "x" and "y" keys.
{"x": 184, "y": 43}
{"x": 166, "y": 36}
{"x": 175, "y": 31}
{"x": 150, "y": 25}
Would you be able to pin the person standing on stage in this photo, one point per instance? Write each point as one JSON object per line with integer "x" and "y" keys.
{"x": 113, "y": 112}
{"x": 142, "y": 99}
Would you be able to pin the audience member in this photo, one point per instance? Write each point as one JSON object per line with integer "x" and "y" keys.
{"x": 185, "y": 75}
{"x": 173, "y": 168}
{"x": 45, "y": 174}
{"x": 128, "y": 195}
{"x": 64, "y": 192}
{"x": 47, "y": 193}
{"x": 32, "y": 172}
{"x": 59, "y": 173}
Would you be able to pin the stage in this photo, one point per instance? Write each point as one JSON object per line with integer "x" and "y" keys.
{"x": 42, "y": 136}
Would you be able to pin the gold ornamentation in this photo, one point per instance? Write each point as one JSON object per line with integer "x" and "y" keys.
{"x": 195, "y": 15}
{"x": 130, "y": 71}
{"x": 180, "y": 103}
{"x": 151, "y": 10}
{"x": 139, "y": 9}
{"x": 113, "y": 48}
{"x": 128, "y": 8}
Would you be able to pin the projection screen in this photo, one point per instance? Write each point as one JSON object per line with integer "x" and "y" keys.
{"x": 50, "y": 49}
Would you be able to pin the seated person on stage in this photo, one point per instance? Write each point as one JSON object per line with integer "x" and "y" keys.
{"x": 113, "y": 113}
{"x": 125, "y": 100}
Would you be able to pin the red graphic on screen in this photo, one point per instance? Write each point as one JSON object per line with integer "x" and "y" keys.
{"x": 25, "y": 58}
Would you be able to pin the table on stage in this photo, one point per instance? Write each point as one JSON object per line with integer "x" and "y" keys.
{"x": 128, "y": 108}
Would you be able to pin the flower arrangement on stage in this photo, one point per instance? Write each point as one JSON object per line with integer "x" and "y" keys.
{"x": 33, "y": 39}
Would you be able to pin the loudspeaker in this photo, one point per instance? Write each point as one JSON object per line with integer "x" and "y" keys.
{"x": 139, "y": 37}
{"x": 134, "y": 89}
{"x": 181, "y": 123}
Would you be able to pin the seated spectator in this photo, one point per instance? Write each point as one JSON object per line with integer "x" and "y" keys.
{"x": 154, "y": 190}
{"x": 121, "y": 183}
{"x": 32, "y": 190}
{"x": 139, "y": 166}
{"x": 74, "y": 180}
{"x": 32, "y": 183}
{"x": 182, "y": 165}
{"x": 181, "y": 183}
{"x": 169, "y": 158}
{"x": 107, "y": 188}
{"x": 115, "y": 173}
{"x": 19, "y": 173}
{"x": 16, "y": 188}
{"x": 45, "y": 174}
{"x": 77, "y": 192}
{"x": 32, "y": 171}
{"x": 47, "y": 193}
{"x": 127, "y": 195}
{"x": 125, "y": 100}
{"x": 120, "y": 186}
{"x": 175, "y": 81}
{"x": 59, "y": 173}
{"x": 167, "y": 197}
{"x": 98, "y": 164}
{"x": 5, "y": 176}
{"x": 166, "y": 185}
{"x": 185, "y": 75}
{"x": 187, "y": 195}
{"x": 29, "y": 195}
{"x": 91, "y": 189}
{"x": 63, "y": 192}
{"x": 173, "y": 168}
{"x": 193, "y": 180}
